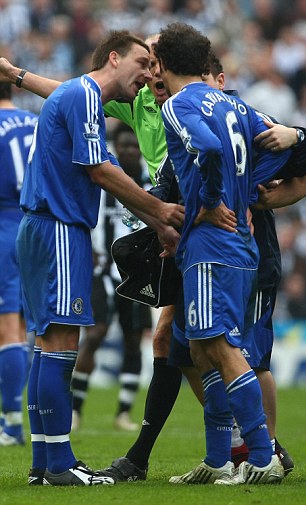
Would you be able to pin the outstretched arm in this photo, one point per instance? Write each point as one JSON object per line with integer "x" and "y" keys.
{"x": 162, "y": 217}
{"x": 39, "y": 85}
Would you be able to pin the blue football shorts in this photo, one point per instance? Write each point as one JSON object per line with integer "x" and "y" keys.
{"x": 216, "y": 299}
{"x": 10, "y": 293}
{"x": 56, "y": 271}
{"x": 258, "y": 341}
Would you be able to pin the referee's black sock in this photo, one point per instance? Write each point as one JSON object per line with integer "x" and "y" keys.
{"x": 79, "y": 388}
{"x": 129, "y": 379}
{"x": 162, "y": 393}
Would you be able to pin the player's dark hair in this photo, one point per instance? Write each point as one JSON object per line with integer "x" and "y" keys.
{"x": 183, "y": 50}
{"x": 5, "y": 91}
{"x": 120, "y": 41}
{"x": 216, "y": 67}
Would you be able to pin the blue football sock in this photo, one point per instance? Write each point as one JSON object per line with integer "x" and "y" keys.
{"x": 39, "y": 454}
{"x": 245, "y": 399}
{"x": 218, "y": 420}
{"x": 55, "y": 406}
{"x": 11, "y": 387}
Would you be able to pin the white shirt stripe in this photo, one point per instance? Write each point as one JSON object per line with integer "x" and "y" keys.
{"x": 92, "y": 107}
{"x": 170, "y": 115}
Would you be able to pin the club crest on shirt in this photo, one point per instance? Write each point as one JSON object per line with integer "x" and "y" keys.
{"x": 91, "y": 132}
{"x": 77, "y": 306}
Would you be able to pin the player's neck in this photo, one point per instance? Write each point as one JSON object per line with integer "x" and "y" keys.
{"x": 106, "y": 82}
{"x": 6, "y": 104}
{"x": 177, "y": 82}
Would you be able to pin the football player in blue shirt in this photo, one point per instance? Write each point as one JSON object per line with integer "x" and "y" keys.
{"x": 139, "y": 453}
{"x": 16, "y": 133}
{"x": 210, "y": 137}
{"x": 259, "y": 342}
{"x": 68, "y": 164}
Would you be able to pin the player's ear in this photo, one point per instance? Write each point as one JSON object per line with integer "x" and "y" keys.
{"x": 221, "y": 81}
{"x": 113, "y": 58}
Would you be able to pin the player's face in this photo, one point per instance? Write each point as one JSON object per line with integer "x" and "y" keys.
{"x": 165, "y": 76}
{"x": 156, "y": 85}
{"x": 134, "y": 72}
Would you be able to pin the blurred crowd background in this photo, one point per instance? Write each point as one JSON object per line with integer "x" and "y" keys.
{"x": 261, "y": 43}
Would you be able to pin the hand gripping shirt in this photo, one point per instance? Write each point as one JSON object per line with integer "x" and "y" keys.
{"x": 70, "y": 135}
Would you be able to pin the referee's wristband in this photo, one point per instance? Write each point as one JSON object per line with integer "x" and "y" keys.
{"x": 20, "y": 77}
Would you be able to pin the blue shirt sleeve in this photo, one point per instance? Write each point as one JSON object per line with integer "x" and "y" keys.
{"x": 200, "y": 142}
{"x": 267, "y": 163}
{"x": 86, "y": 126}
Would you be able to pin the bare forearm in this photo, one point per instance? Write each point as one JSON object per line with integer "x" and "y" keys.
{"x": 291, "y": 191}
{"x": 132, "y": 196}
{"x": 149, "y": 209}
{"x": 37, "y": 84}
{"x": 287, "y": 193}
{"x": 151, "y": 221}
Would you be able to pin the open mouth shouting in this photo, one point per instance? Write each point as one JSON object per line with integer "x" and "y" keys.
{"x": 160, "y": 92}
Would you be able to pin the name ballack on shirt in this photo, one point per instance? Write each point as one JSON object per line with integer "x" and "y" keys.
{"x": 13, "y": 122}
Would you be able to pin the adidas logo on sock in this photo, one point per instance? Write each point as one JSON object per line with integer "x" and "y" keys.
{"x": 147, "y": 291}
{"x": 245, "y": 353}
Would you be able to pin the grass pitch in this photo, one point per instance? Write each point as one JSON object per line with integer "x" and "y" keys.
{"x": 179, "y": 448}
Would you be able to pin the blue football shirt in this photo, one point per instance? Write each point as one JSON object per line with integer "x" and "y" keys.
{"x": 16, "y": 133}
{"x": 210, "y": 140}
{"x": 70, "y": 134}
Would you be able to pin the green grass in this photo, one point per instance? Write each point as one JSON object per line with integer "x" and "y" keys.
{"x": 179, "y": 448}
